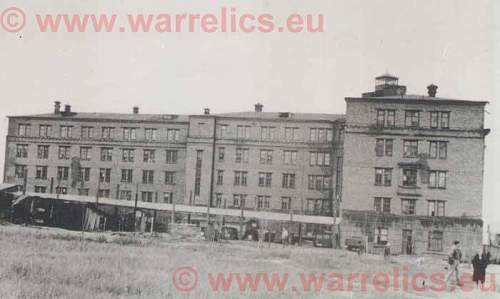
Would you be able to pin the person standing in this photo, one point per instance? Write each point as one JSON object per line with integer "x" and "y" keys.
{"x": 484, "y": 262}
{"x": 261, "y": 236}
{"x": 284, "y": 237}
{"x": 454, "y": 258}
{"x": 476, "y": 266}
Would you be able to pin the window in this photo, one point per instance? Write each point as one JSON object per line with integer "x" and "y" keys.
{"x": 147, "y": 196}
{"x": 198, "y": 172}
{"x": 240, "y": 178}
{"x": 438, "y": 149}
{"x": 168, "y": 197}
{"x": 85, "y": 174}
{"x": 318, "y": 206}
{"x": 169, "y": 177}
{"x": 265, "y": 179}
{"x": 319, "y": 159}
{"x": 43, "y": 152}
{"x": 241, "y": 155}
{"x": 382, "y": 204}
{"x": 445, "y": 120}
{"x": 386, "y": 118}
{"x": 436, "y": 208}
{"x": 266, "y": 157}
{"x": 320, "y": 134}
{"x": 150, "y": 134}
{"x": 243, "y": 132}
{"x": 66, "y": 131}
{"x": 22, "y": 151}
{"x": 384, "y": 147}
{"x": 223, "y": 131}
{"x": 220, "y": 177}
{"x": 173, "y": 134}
{"x": 62, "y": 173}
{"x": 64, "y": 152}
{"x": 409, "y": 177}
{"x": 239, "y": 200}
{"x": 87, "y": 132}
{"x": 381, "y": 235}
{"x": 127, "y": 176}
{"x": 41, "y": 172}
{"x": 148, "y": 177}
{"x": 20, "y": 171}
{"x": 128, "y": 155}
{"x": 434, "y": 119}
{"x": 104, "y": 193}
{"x": 290, "y": 157}
{"x": 218, "y": 200}
{"x": 106, "y": 154}
{"x": 291, "y": 134}
{"x": 85, "y": 153}
{"x": 318, "y": 182}
{"x": 267, "y": 133}
{"x": 412, "y": 119}
{"x": 107, "y": 132}
{"x": 286, "y": 203}
{"x": 435, "y": 242}
{"x": 44, "y": 131}
{"x": 410, "y": 148}
{"x": 408, "y": 206}
{"x": 171, "y": 156}
{"x": 24, "y": 130}
{"x": 222, "y": 153}
{"x": 105, "y": 175}
{"x": 263, "y": 202}
{"x": 149, "y": 155}
{"x": 129, "y": 134}
{"x": 125, "y": 195}
{"x": 383, "y": 176}
{"x": 288, "y": 180}
{"x": 437, "y": 179}
{"x": 83, "y": 191}
{"x": 40, "y": 189}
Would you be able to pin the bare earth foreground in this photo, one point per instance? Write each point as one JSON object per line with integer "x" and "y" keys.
{"x": 53, "y": 263}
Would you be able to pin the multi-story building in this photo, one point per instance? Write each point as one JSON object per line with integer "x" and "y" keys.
{"x": 413, "y": 170}
{"x": 407, "y": 170}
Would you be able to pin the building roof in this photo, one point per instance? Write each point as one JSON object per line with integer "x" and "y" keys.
{"x": 284, "y": 116}
{"x": 415, "y": 99}
{"x": 110, "y": 117}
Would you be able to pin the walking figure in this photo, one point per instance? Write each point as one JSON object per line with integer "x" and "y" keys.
{"x": 454, "y": 258}
{"x": 284, "y": 237}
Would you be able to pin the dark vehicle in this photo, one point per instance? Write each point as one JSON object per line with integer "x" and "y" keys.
{"x": 229, "y": 233}
{"x": 323, "y": 239}
{"x": 354, "y": 243}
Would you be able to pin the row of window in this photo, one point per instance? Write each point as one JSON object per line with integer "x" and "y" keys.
{"x": 315, "y": 182}
{"x": 87, "y": 132}
{"x": 106, "y": 153}
{"x": 269, "y": 133}
{"x": 436, "y": 149}
{"x": 386, "y": 118}
{"x": 408, "y": 206}
{"x": 127, "y": 175}
{"x": 266, "y": 157}
{"x": 435, "y": 178}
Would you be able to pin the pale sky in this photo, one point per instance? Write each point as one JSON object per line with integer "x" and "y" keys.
{"x": 451, "y": 43}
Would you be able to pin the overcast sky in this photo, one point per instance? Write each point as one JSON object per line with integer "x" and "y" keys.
{"x": 451, "y": 43}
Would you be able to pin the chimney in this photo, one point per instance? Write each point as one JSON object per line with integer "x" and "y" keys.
{"x": 206, "y": 111}
{"x": 432, "y": 90}
{"x": 67, "y": 109}
{"x": 258, "y": 107}
{"x": 135, "y": 110}
{"x": 57, "y": 107}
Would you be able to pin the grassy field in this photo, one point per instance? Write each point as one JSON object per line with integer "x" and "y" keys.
{"x": 54, "y": 263}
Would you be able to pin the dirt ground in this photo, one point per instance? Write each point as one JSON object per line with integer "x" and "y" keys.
{"x": 54, "y": 263}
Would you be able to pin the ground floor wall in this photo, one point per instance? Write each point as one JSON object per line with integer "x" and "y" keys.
{"x": 412, "y": 234}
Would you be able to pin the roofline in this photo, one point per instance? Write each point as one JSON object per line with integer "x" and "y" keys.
{"x": 95, "y": 119}
{"x": 270, "y": 119}
{"x": 417, "y": 100}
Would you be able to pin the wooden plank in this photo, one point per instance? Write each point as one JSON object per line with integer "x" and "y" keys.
{"x": 193, "y": 209}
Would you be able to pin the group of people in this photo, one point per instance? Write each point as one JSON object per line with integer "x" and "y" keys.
{"x": 285, "y": 236}
{"x": 479, "y": 265}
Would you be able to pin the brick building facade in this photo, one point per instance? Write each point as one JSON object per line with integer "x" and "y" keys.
{"x": 408, "y": 169}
